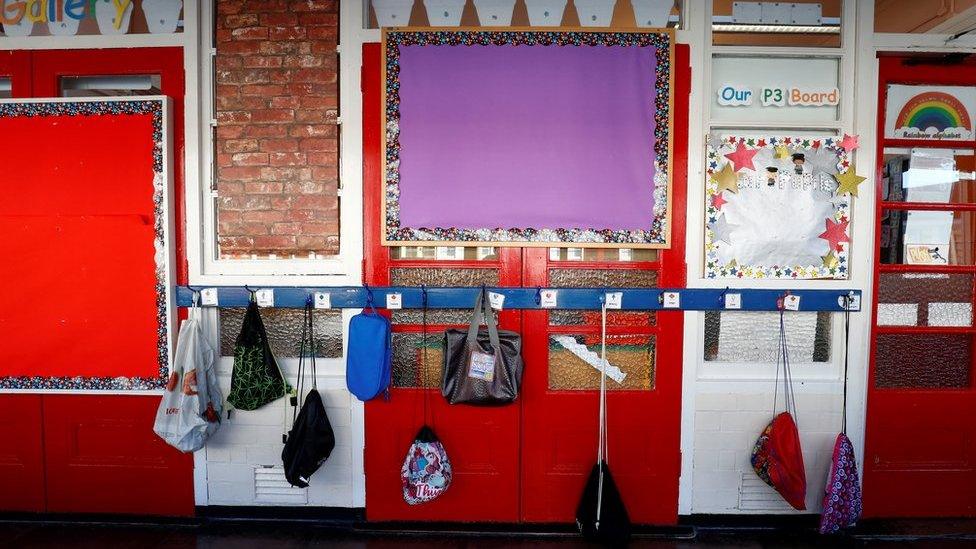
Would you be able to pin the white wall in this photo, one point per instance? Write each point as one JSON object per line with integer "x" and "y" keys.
{"x": 251, "y": 440}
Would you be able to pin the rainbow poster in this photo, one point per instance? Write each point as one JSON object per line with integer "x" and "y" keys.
{"x": 929, "y": 113}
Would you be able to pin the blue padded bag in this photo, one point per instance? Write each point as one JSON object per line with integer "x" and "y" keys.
{"x": 369, "y": 355}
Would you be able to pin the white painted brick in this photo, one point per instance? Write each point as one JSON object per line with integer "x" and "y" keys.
{"x": 718, "y": 480}
{"x": 715, "y": 401}
{"x": 710, "y": 440}
{"x": 269, "y": 454}
{"x": 708, "y": 420}
{"x": 715, "y": 501}
{"x": 238, "y": 454}
{"x": 230, "y": 493}
{"x": 726, "y": 460}
{"x": 217, "y": 453}
{"x": 753, "y": 422}
{"x": 705, "y": 461}
{"x": 231, "y": 472}
{"x": 757, "y": 402}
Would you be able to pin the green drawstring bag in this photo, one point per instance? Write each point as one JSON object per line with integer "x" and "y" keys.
{"x": 256, "y": 379}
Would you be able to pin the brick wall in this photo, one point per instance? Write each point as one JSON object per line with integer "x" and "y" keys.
{"x": 276, "y": 140}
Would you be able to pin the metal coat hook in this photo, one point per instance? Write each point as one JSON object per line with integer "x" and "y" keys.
{"x": 538, "y": 296}
{"x": 721, "y": 297}
{"x": 423, "y": 295}
{"x": 369, "y": 295}
{"x": 781, "y": 301}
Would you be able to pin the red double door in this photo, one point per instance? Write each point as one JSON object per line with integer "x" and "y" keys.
{"x": 920, "y": 448}
{"x": 77, "y": 453}
{"x": 528, "y": 462}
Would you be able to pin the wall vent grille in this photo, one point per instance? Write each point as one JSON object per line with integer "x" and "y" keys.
{"x": 271, "y": 486}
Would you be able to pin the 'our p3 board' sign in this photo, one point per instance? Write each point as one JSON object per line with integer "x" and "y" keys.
{"x": 733, "y": 95}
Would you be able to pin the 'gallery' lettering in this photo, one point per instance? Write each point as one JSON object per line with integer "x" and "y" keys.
{"x": 42, "y": 11}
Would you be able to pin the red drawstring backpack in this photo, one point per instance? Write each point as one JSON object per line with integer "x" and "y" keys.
{"x": 842, "y": 495}
{"x": 777, "y": 457}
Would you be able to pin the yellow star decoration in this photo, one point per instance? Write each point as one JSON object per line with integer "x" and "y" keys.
{"x": 781, "y": 152}
{"x": 830, "y": 260}
{"x": 726, "y": 179}
{"x": 849, "y": 181}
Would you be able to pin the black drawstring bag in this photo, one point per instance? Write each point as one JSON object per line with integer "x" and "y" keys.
{"x": 256, "y": 379}
{"x": 311, "y": 439}
{"x": 601, "y": 515}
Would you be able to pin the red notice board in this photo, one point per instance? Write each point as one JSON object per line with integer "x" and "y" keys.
{"x": 85, "y": 251}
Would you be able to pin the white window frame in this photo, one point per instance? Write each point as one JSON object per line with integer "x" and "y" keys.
{"x": 205, "y": 267}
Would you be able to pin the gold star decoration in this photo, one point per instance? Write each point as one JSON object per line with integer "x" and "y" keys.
{"x": 726, "y": 179}
{"x": 830, "y": 260}
{"x": 781, "y": 152}
{"x": 848, "y": 181}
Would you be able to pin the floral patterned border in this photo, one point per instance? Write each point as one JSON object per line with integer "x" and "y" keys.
{"x": 153, "y": 107}
{"x": 834, "y": 269}
{"x": 656, "y": 234}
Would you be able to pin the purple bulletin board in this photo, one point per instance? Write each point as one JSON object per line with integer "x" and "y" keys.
{"x": 528, "y": 138}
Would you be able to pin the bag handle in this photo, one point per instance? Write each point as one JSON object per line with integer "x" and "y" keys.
{"x": 603, "y": 448}
{"x": 306, "y": 349}
{"x": 783, "y": 359}
{"x": 483, "y": 314}
{"x": 847, "y": 338}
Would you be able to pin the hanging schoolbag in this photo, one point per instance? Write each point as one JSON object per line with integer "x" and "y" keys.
{"x": 842, "y": 495}
{"x": 601, "y": 515}
{"x": 369, "y": 354}
{"x": 189, "y": 411}
{"x": 311, "y": 439}
{"x": 777, "y": 457}
{"x": 256, "y": 379}
{"x": 426, "y": 472}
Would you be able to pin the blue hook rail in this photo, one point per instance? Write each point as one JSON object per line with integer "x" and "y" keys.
{"x": 688, "y": 299}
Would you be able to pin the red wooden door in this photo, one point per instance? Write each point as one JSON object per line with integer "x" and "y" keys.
{"x": 483, "y": 443}
{"x": 21, "y": 434}
{"x": 73, "y": 446}
{"x": 920, "y": 454}
{"x": 560, "y": 404}
{"x": 527, "y": 461}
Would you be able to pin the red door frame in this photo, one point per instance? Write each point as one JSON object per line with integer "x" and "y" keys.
{"x": 87, "y": 442}
{"x": 382, "y": 483}
{"x": 899, "y": 420}
{"x": 16, "y": 64}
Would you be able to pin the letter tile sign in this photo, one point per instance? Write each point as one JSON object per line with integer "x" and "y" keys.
{"x": 86, "y": 255}
{"x": 779, "y": 206}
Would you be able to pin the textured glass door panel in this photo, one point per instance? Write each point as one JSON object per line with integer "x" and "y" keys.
{"x": 922, "y": 361}
{"x": 576, "y": 317}
{"x": 602, "y": 278}
{"x": 925, "y": 299}
{"x": 633, "y": 354}
{"x": 439, "y": 277}
{"x": 284, "y": 327}
{"x": 602, "y": 254}
{"x": 928, "y": 175}
{"x": 408, "y": 357}
{"x": 915, "y": 237}
{"x": 738, "y": 337}
{"x": 445, "y": 253}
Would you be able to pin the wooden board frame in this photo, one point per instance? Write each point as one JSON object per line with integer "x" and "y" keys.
{"x": 160, "y": 108}
{"x": 551, "y": 238}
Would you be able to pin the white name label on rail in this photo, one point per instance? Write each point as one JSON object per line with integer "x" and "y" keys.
{"x": 323, "y": 300}
{"x": 394, "y": 301}
{"x": 208, "y": 296}
{"x": 733, "y": 301}
{"x": 496, "y": 300}
{"x": 548, "y": 300}
{"x": 791, "y": 302}
{"x": 265, "y": 298}
{"x": 672, "y": 300}
{"x": 614, "y": 300}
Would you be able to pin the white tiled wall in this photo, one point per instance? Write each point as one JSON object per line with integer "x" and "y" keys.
{"x": 726, "y": 427}
{"x": 253, "y": 439}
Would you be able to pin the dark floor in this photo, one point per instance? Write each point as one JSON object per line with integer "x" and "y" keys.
{"x": 922, "y": 534}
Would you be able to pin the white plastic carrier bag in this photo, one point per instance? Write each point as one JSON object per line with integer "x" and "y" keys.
{"x": 191, "y": 406}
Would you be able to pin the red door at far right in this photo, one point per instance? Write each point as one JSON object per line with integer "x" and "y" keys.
{"x": 920, "y": 448}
